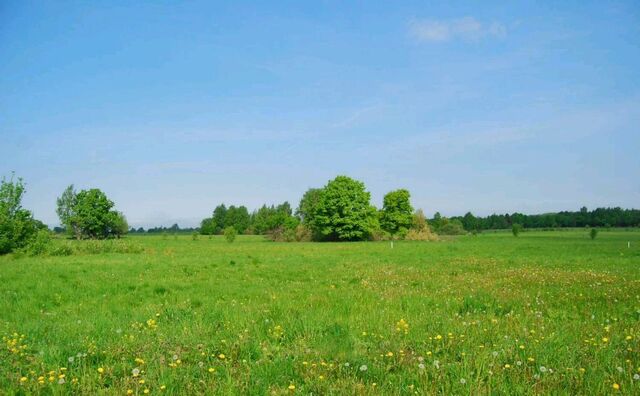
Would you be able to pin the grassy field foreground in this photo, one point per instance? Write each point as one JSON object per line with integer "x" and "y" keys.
{"x": 548, "y": 312}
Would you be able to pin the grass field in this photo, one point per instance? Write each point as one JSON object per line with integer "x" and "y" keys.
{"x": 544, "y": 313}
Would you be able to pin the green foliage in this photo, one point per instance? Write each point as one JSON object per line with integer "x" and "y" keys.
{"x": 451, "y": 227}
{"x": 396, "y": 216}
{"x": 343, "y": 211}
{"x": 194, "y": 236}
{"x": 208, "y": 226}
{"x": 593, "y": 233}
{"x": 238, "y": 218}
{"x": 420, "y": 230}
{"x": 88, "y": 214}
{"x": 308, "y": 205}
{"x": 230, "y": 234}
{"x": 40, "y": 244}
{"x": 515, "y": 229}
{"x": 17, "y": 226}
{"x": 269, "y": 218}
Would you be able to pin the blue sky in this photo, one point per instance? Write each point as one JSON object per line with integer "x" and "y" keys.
{"x": 174, "y": 107}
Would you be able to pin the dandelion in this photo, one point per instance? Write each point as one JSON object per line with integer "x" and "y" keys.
{"x": 129, "y": 391}
{"x": 494, "y": 353}
{"x": 421, "y": 366}
{"x": 292, "y": 387}
{"x": 436, "y": 363}
{"x": 211, "y": 369}
{"x": 61, "y": 381}
{"x": 139, "y": 361}
{"x": 420, "y": 359}
{"x": 174, "y": 357}
{"x": 620, "y": 369}
{"x": 389, "y": 354}
{"x": 23, "y": 379}
{"x": 200, "y": 364}
{"x": 463, "y": 381}
{"x": 543, "y": 369}
{"x": 346, "y": 364}
{"x": 163, "y": 387}
{"x": 221, "y": 356}
{"x": 135, "y": 372}
{"x": 507, "y": 366}
{"x": 519, "y": 363}
{"x": 364, "y": 367}
{"x": 146, "y": 391}
{"x": 100, "y": 370}
{"x": 70, "y": 359}
{"x": 636, "y": 377}
{"x": 605, "y": 339}
{"x": 616, "y": 386}
{"x": 438, "y": 337}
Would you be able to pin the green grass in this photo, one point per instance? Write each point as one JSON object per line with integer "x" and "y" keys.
{"x": 544, "y": 313}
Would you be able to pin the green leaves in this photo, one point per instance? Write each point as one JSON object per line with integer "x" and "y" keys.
{"x": 343, "y": 211}
{"x": 89, "y": 214}
{"x": 396, "y": 216}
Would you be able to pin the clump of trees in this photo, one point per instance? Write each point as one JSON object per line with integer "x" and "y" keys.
{"x": 223, "y": 217}
{"x": 339, "y": 211}
{"x": 89, "y": 214}
{"x": 18, "y": 228}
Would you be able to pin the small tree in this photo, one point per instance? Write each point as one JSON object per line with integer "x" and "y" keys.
{"x": 515, "y": 229}
{"x": 17, "y": 226}
{"x": 593, "y": 233}
{"x": 230, "y": 234}
{"x": 396, "y": 216}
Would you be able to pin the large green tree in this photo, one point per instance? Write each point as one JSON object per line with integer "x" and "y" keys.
{"x": 396, "y": 215}
{"x": 89, "y": 214}
{"x": 17, "y": 226}
{"x": 343, "y": 211}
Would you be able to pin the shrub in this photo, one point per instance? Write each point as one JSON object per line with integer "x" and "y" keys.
{"x": 593, "y": 233}
{"x": 194, "y": 236}
{"x": 515, "y": 229}
{"x": 230, "y": 234}
{"x": 420, "y": 235}
{"x": 40, "y": 244}
{"x": 453, "y": 227}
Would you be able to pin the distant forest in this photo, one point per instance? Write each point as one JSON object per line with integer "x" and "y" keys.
{"x": 600, "y": 217}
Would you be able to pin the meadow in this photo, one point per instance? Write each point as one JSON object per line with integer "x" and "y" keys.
{"x": 543, "y": 313}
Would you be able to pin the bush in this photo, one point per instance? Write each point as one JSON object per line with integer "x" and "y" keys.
{"x": 422, "y": 235}
{"x": 453, "y": 227}
{"x": 40, "y": 244}
{"x": 515, "y": 229}
{"x": 593, "y": 233}
{"x": 230, "y": 234}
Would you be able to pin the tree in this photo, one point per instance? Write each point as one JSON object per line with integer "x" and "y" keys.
{"x": 119, "y": 225}
{"x": 17, "y": 226}
{"x": 207, "y": 226}
{"x": 238, "y": 218}
{"x": 230, "y": 234}
{"x": 470, "y": 222}
{"x": 65, "y": 210}
{"x": 218, "y": 218}
{"x": 396, "y": 216}
{"x": 343, "y": 211}
{"x": 308, "y": 205}
{"x": 89, "y": 214}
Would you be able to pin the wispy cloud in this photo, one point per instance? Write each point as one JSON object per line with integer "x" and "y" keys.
{"x": 466, "y": 28}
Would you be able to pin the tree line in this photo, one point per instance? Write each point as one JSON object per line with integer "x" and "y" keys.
{"x": 600, "y": 217}
{"x": 341, "y": 210}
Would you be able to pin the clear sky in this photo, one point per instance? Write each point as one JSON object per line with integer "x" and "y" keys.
{"x": 174, "y": 107}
